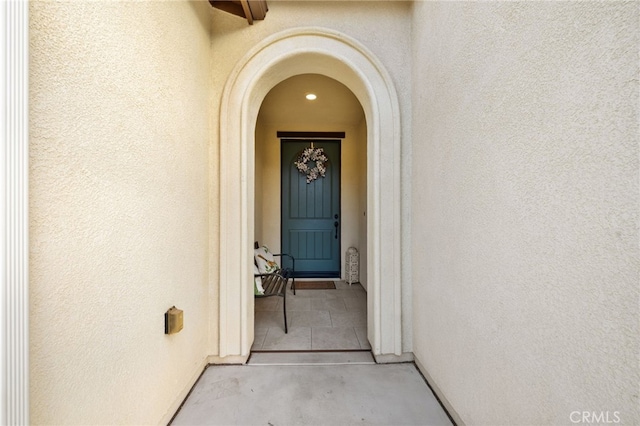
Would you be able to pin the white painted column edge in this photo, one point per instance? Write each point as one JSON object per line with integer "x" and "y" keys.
{"x": 15, "y": 198}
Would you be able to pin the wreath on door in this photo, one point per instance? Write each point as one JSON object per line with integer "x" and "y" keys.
{"x": 312, "y": 162}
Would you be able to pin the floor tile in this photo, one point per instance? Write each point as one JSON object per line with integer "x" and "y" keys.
{"x": 349, "y": 319}
{"x": 268, "y": 319}
{"x": 328, "y": 305}
{"x": 267, "y": 304}
{"x": 315, "y": 294}
{"x": 355, "y": 303}
{"x": 298, "y": 304}
{"x": 342, "y": 285}
{"x": 310, "y": 319}
{"x": 258, "y": 338}
{"x": 350, "y": 293}
{"x": 334, "y": 338}
{"x": 298, "y": 338}
{"x": 361, "y": 333}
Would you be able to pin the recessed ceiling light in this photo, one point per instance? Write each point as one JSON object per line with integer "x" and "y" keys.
{"x": 311, "y": 96}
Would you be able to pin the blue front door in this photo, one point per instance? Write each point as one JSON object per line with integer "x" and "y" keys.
{"x": 311, "y": 211}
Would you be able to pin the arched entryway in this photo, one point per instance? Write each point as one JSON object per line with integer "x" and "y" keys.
{"x": 314, "y": 220}
{"x": 293, "y": 52}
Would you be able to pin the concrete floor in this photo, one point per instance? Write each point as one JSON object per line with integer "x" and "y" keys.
{"x": 312, "y": 388}
{"x": 345, "y": 394}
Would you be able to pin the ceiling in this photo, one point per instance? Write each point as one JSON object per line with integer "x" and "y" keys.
{"x": 286, "y": 104}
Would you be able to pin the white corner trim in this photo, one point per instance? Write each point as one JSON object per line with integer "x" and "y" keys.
{"x": 283, "y": 55}
{"x": 393, "y": 358}
{"x": 230, "y": 360}
{"x": 14, "y": 303}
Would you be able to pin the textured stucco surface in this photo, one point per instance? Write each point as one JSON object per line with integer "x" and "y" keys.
{"x": 119, "y": 119}
{"x": 520, "y": 199}
{"x": 525, "y": 208}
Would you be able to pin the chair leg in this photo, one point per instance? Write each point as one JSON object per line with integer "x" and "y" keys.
{"x": 284, "y": 308}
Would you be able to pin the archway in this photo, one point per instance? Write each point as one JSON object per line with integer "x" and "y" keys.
{"x": 289, "y": 53}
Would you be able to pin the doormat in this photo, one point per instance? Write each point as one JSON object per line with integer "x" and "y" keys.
{"x": 315, "y": 285}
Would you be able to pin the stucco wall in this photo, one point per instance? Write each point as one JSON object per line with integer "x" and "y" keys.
{"x": 383, "y": 27}
{"x": 525, "y": 218}
{"x": 119, "y": 103}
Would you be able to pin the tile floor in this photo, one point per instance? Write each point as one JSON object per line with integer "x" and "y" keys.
{"x": 318, "y": 320}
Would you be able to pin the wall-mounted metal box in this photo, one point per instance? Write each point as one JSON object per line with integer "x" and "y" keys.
{"x": 173, "y": 321}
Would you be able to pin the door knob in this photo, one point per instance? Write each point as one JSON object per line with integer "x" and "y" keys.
{"x": 336, "y": 225}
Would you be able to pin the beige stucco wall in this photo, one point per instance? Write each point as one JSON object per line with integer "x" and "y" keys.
{"x": 380, "y": 26}
{"x": 520, "y": 194}
{"x": 525, "y": 208}
{"x": 268, "y": 185}
{"x": 119, "y": 109}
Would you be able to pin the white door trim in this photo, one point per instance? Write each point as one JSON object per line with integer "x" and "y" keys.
{"x": 283, "y": 55}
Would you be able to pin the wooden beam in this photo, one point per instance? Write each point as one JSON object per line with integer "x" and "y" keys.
{"x": 247, "y": 11}
{"x": 232, "y": 7}
{"x": 319, "y": 135}
{"x": 258, "y": 8}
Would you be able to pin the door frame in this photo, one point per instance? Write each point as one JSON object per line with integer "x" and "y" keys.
{"x": 340, "y": 213}
{"x": 283, "y": 55}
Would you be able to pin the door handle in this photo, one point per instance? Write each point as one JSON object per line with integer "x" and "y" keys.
{"x": 336, "y": 225}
